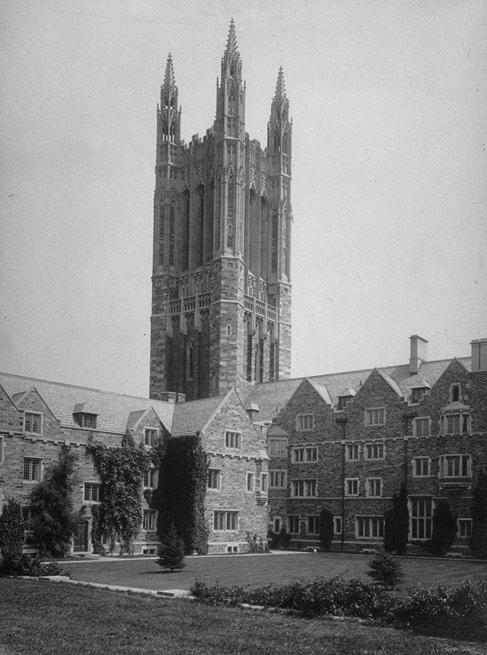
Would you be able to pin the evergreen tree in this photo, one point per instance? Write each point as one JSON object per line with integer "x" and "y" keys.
{"x": 53, "y": 522}
{"x": 444, "y": 529}
{"x": 396, "y": 528}
{"x": 11, "y": 532}
{"x": 171, "y": 550}
{"x": 478, "y": 541}
{"x": 385, "y": 569}
{"x": 326, "y": 529}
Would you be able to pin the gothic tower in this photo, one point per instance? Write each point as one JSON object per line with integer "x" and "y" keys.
{"x": 221, "y": 293}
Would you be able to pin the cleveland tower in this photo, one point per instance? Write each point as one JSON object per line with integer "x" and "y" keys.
{"x": 221, "y": 292}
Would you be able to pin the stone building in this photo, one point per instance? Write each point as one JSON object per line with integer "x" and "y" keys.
{"x": 221, "y": 294}
{"x": 347, "y": 441}
{"x": 38, "y": 417}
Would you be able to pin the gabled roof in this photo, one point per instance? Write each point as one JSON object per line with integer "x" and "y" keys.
{"x": 321, "y": 390}
{"x": 192, "y": 416}
{"x": 113, "y": 409}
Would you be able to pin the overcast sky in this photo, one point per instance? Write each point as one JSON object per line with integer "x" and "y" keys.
{"x": 389, "y": 169}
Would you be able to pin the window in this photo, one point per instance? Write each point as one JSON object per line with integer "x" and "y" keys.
{"x": 373, "y": 487}
{"x": 227, "y": 520}
{"x": 263, "y": 483}
{"x": 458, "y": 423}
{"x": 464, "y": 528}
{"x": 149, "y": 520}
{"x": 313, "y": 525}
{"x": 304, "y": 488}
{"x": 455, "y": 466}
{"x": 293, "y": 524}
{"x": 343, "y": 402}
{"x": 421, "y": 467}
{"x": 352, "y": 452}
{"x": 351, "y": 486}
{"x": 375, "y": 416}
{"x": 149, "y": 481}
{"x": 337, "y": 525}
{"x": 374, "y": 451}
{"x": 276, "y": 524}
{"x": 304, "y": 455}
{"x": 455, "y": 393}
{"x": 28, "y": 515}
{"x": 32, "y": 469}
{"x": 85, "y": 420}
{"x": 150, "y": 436}
{"x": 417, "y": 394}
{"x": 277, "y": 447}
{"x": 369, "y": 527}
{"x": 214, "y": 478}
{"x": 421, "y": 516}
{"x": 33, "y": 422}
{"x": 250, "y": 481}
{"x": 1, "y": 450}
{"x": 278, "y": 479}
{"x": 233, "y": 439}
{"x": 91, "y": 492}
{"x": 421, "y": 426}
{"x": 305, "y": 422}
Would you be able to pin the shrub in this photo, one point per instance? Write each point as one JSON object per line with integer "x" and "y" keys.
{"x": 53, "y": 522}
{"x": 284, "y": 539}
{"x": 326, "y": 529}
{"x": 11, "y": 531}
{"x": 444, "y": 529}
{"x": 29, "y": 565}
{"x": 255, "y": 543}
{"x": 478, "y": 541}
{"x": 396, "y": 523}
{"x": 171, "y": 550}
{"x": 385, "y": 570}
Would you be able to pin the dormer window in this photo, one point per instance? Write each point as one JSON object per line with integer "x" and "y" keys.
{"x": 343, "y": 402}
{"x": 417, "y": 394}
{"x": 85, "y": 420}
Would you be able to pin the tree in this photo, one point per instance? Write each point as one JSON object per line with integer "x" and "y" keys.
{"x": 385, "y": 569}
{"x": 396, "y": 528}
{"x": 11, "y": 532}
{"x": 444, "y": 529}
{"x": 478, "y": 541}
{"x": 53, "y": 521}
{"x": 326, "y": 529}
{"x": 171, "y": 550}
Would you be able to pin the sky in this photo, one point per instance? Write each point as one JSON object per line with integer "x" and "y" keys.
{"x": 389, "y": 195}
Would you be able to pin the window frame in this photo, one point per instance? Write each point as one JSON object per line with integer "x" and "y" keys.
{"x": 281, "y": 474}
{"x": 349, "y": 446}
{"x": 154, "y": 435}
{"x": 375, "y": 523}
{"x": 89, "y": 417}
{"x": 313, "y": 519}
{"x": 419, "y": 420}
{"x": 425, "y": 520}
{"x": 465, "y": 462}
{"x": 227, "y": 516}
{"x": 91, "y": 485}
{"x": 346, "y": 482}
{"x": 149, "y": 525}
{"x": 302, "y": 420}
{"x": 264, "y": 483}
{"x": 2, "y": 450}
{"x": 292, "y": 521}
{"x": 374, "y": 445}
{"x": 151, "y": 473}
{"x": 368, "y": 415}
{"x": 41, "y": 421}
{"x": 41, "y": 467}
{"x": 462, "y": 523}
{"x": 250, "y": 478}
{"x": 233, "y": 435}
{"x": 455, "y": 390}
{"x": 414, "y": 462}
{"x": 337, "y": 525}
{"x": 214, "y": 472}
{"x": 306, "y": 485}
{"x": 305, "y": 456}
{"x": 277, "y": 447}
{"x": 368, "y": 482}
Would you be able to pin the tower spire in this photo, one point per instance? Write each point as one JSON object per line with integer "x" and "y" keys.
{"x": 280, "y": 93}
{"x": 232, "y": 47}
{"x": 169, "y": 79}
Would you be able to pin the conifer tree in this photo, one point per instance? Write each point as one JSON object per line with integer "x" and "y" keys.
{"x": 11, "y": 532}
{"x": 171, "y": 550}
{"x": 396, "y": 528}
{"x": 478, "y": 541}
{"x": 444, "y": 529}
{"x": 326, "y": 529}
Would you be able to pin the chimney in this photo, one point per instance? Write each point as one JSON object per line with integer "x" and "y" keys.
{"x": 418, "y": 353}
{"x": 479, "y": 355}
{"x": 252, "y": 410}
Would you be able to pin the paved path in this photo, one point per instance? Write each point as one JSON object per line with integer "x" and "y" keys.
{"x": 256, "y": 570}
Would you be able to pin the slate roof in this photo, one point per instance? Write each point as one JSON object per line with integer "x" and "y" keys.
{"x": 272, "y": 396}
{"x": 191, "y": 416}
{"x": 112, "y": 409}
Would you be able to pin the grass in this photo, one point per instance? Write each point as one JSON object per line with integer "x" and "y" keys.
{"x": 41, "y": 618}
{"x": 275, "y": 569}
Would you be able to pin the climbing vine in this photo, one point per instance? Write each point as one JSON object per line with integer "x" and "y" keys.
{"x": 119, "y": 515}
{"x": 180, "y": 495}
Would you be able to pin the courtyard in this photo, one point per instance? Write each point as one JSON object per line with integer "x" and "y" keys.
{"x": 261, "y": 569}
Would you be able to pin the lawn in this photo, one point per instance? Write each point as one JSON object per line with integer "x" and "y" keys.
{"x": 41, "y": 618}
{"x": 258, "y": 570}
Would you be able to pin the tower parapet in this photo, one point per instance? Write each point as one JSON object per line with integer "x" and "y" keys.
{"x": 222, "y": 219}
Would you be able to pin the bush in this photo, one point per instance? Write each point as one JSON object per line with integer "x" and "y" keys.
{"x": 11, "y": 531}
{"x": 396, "y": 523}
{"x": 326, "y": 529}
{"x": 171, "y": 550}
{"x": 255, "y": 543}
{"x": 478, "y": 541}
{"x": 444, "y": 529}
{"x": 29, "y": 565}
{"x": 385, "y": 570}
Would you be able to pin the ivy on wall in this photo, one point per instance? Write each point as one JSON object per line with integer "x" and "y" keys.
{"x": 180, "y": 495}
{"x": 119, "y": 515}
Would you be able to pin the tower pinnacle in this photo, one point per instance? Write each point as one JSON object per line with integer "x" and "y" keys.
{"x": 231, "y": 48}
{"x": 280, "y": 86}
{"x": 169, "y": 79}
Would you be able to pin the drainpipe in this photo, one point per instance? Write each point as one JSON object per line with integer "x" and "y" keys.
{"x": 342, "y": 421}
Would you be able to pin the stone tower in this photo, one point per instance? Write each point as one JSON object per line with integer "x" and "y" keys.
{"x": 221, "y": 292}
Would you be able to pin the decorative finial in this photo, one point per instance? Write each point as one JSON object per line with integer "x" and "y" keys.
{"x": 169, "y": 79}
{"x": 280, "y": 86}
{"x": 232, "y": 39}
